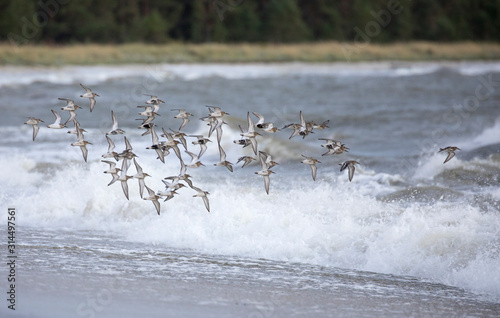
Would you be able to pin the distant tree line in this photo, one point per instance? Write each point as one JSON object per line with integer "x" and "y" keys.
{"x": 161, "y": 21}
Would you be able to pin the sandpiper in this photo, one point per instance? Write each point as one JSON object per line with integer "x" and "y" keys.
{"x": 81, "y": 142}
{"x": 246, "y": 160}
{"x": 173, "y": 185}
{"x": 267, "y": 127}
{"x": 70, "y": 104}
{"x": 154, "y": 100}
{"x": 34, "y": 122}
{"x": 153, "y": 198}
{"x": 182, "y": 115}
{"x": 140, "y": 176}
{"x": 245, "y": 142}
{"x": 111, "y": 150}
{"x": 171, "y": 143}
{"x": 265, "y": 172}
{"x": 114, "y": 129}
{"x": 268, "y": 159}
{"x": 181, "y": 136}
{"x": 195, "y": 160}
{"x": 223, "y": 161}
{"x": 350, "y": 165}
{"x": 167, "y": 194}
{"x": 312, "y": 163}
{"x": 450, "y": 151}
{"x": 57, "y": 124}
{"x": 112, "y": 170}
{"x": 90, "y": 95}
{"x": 123, "y": 179}
{"x": 216, "y": 111}
{"x": 334, "y": 147}
{"x": 202, "y": 141}
{"x": 202, "y": 194}
{"x": 320, "y": 126}
{"x": 295, "y": 127}
{"x": 182, "y": 175}
{"x": 250, "y": 133}
{"x": 77, "y": 129}
{"x": 127, "y": 155}
{"x": 305, "y": 128}
{"x": 156, "y": 146}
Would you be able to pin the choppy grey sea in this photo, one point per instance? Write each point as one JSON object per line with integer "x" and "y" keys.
{"x": 409, "y": 236}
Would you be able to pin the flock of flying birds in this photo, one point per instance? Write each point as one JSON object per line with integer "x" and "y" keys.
{"x": 174, "y": 138}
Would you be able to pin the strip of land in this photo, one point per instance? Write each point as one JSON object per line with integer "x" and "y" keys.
{"x": 88, "y": 54}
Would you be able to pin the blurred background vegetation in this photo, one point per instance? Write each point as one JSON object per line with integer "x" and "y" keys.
{"x": 231, "y": 21}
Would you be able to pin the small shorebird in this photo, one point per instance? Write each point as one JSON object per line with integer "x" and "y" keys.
{"x": 90, "y": 95}
{"x": 295, "y": 127}
{"x": 223, "y": 161}
{"x": 70, "y": 104}
{"x": 174, "y": 185}
{"x": 182, "y": 175}
{"x": 321, "y": 126}
{"x": 168, "y": 194}
{"x": 156, "y": 146}
{"x": 57, "y": 124}
{"x": 349, "y": 165}
{"x": 216, "y": 111}
{"x": 312, "y": 163}
{"x": 250, "y": 133}
{"x": 123, "y": 180}
{"x": 267, "y": 127}
{"x": 114, "y": 129}
{"x": 265, "y": 172}
{"x": 171, "y": 143}
{"x": 246, "y": 160}
{"x": 153, "y": 198}
{"x": 71, "y": 107}
{"x": 154, "y": 100}
{"x": 181, "y": 136}
{"x": 112, "y": 170}
{"x": 202, "y": 194}
{"x": 305, "y": 128}
{"x": 148, "y": 126}
{"x": 202, "y": 141}
{"x": 77, "y": 128}
{"x": 34, "y": 122}
{"x": 212, "y": 122}
{"x": 268, "y": 159}
{"x": 450, "y": 151}
{"x": 182, "y": 115}
{"x": 334, "y": 147}
{"x": 111, "y": 150}
{"x": 245, "y": 142}
{"x": 195, "y": 160}
{"x": 81, "y": 142}
{"x": 127, "y": 155}
{"x": 140, "y": 175}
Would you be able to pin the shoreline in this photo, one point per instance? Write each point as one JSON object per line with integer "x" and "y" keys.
{"x": 178, "y": 53}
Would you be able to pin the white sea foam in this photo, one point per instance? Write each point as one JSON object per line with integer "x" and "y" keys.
{"x": 95, "y": 74}
{"x": 489, "y": 136}
{"x": 334, "y": 223}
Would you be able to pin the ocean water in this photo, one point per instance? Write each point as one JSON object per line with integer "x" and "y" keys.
{"x": 409, "y": 236}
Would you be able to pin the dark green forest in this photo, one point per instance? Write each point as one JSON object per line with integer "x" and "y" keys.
{"x": 276, "y": 21}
